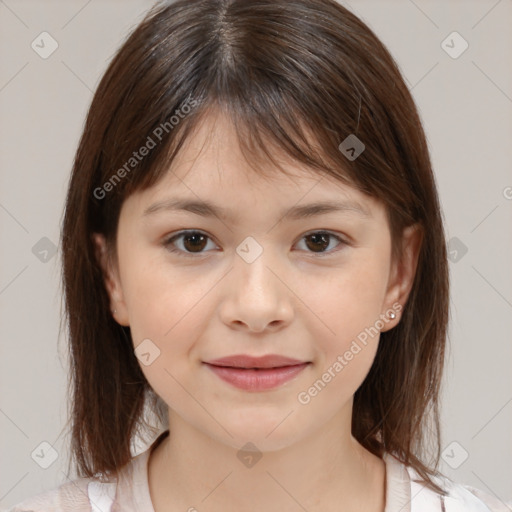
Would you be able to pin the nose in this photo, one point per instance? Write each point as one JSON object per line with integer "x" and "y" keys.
{"x": 257, "y": 297}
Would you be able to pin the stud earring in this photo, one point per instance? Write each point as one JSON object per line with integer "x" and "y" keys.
{"x": 392, "y": 315}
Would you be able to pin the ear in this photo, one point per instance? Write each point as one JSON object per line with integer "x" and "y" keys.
{"x": 111, "y": 280}
{"x": 402, "y": 273}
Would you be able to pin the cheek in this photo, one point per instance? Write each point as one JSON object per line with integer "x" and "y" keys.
{"x": 350, "y": 298}
{"x": 168, "y": 311}
{"x": 167, "y": 305}
{"x": 346, "y": 332}
{"x": 155, "y": 293}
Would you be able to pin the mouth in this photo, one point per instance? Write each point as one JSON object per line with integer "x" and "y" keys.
{"x": 247, "y": 362}
{"x": 268, "y": 373}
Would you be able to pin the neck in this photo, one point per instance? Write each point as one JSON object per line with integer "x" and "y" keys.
{"x": 326, "y": 471}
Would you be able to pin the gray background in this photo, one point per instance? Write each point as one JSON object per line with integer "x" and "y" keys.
{"x": 466, "y": 107}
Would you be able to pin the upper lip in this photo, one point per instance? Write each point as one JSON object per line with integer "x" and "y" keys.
{"x": 245, "y": 361}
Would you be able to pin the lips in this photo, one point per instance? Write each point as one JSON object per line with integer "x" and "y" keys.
{"x": 247, "y": 362}
{"x": 256, "y": 373}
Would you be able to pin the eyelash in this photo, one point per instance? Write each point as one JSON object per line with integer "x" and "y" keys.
{"x": 168, "y": 243}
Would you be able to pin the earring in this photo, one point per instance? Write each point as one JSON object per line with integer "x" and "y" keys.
{"x": 392, "y": 315}
{"x": 115, "y": 311}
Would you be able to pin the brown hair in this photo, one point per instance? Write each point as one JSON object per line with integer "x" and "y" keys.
{"x": 283, "y": 71}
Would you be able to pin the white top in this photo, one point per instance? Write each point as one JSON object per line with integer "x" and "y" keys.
{"x": 130, "y": 492}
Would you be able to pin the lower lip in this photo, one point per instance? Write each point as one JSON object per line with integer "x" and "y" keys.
{"x": 257, "y": 380}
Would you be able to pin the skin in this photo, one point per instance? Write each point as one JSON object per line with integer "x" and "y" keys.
{"x": 293, "y": 300}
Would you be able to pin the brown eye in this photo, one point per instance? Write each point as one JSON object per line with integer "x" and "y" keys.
{"x": 194, "y": 242}
{"x": 319, "y": 241}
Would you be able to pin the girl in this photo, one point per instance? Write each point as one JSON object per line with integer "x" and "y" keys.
{"x": 253, "y": 251}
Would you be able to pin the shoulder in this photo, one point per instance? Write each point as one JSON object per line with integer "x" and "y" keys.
{"x": 126, "y": 490}
{"x": 72, "y": 496}
{"x": 460, "y": 498}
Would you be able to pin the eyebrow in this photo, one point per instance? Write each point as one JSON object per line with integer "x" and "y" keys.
{"x": 208, "y": 209}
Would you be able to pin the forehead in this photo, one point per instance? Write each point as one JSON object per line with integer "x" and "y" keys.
{"x": 212, "y": 169}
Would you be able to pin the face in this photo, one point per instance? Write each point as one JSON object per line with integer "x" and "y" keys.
{"x": 255, "y": 280}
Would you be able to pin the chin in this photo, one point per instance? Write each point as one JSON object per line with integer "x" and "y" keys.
{"x": 256, "y": 440}
{"x": 268, "y": 433}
